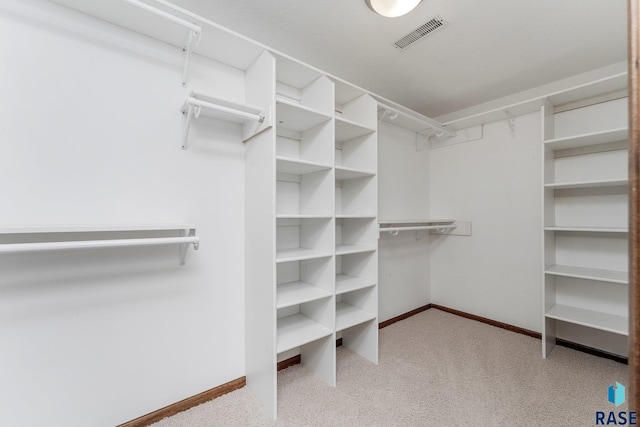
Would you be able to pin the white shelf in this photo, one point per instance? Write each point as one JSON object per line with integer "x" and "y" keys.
{"x": 588, "y": 184}
{"x": 356, "y": 216}
{"x": 588, "y": 229}
{"x": 297, "y": 330}
{"x": 299, "y": 254}
{"x": 298, "y": 292}
{"x": 593, "y": 319}
{"x": 576, "y": 93}
{"x": 348, "y": 316}
{"x": 343, "y": 249}
{"x": 297, "y": 117}
{"x": 346, "y": 283}
{"x": 347, "y": 129}
{"x": 588, "y": 139}
{"x": 302, "y": 216}
{"x": 589, "y": 273}
{"x": 298, "y": 167}
{"x": 343, "y": 173}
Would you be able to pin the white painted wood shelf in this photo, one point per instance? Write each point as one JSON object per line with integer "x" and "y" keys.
{"x": 345, "y": 249}
{"x": 356, "y": 216}
{"x": 297, "y": 330}
{"x": 612, "y": 276}
{"x": 588, "y": 229}
{"x": 343, "y": 173}
{"x": 346, "y": 283}
{"x": 298, "y": 292}
{"x": 297, "y": 117}
{"x": 588, "y": 184}
{"x": 298, "y": 167}
{"x": 302, "y": 216}
{"x": 587, "y": 139}
{"x": 348, "y": 316}
{"x": 592, "y": 319}
{"x": 299, "y": 254}
{"x": 348, "y": 129}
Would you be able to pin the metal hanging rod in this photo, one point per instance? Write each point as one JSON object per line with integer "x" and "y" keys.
{"x": 203, "y": 104}
{"x": 439, "y": 228}
{"x": 162, "y": 14}
{"x": 193, "y": 35}
{"x": 394, "y": 113}
{"x": 14, "y": 248}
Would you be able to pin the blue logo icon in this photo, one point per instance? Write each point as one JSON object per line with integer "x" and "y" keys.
{"x": 616, "y": 394}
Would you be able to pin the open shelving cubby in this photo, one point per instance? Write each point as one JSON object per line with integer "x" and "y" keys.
{"x": 585, "y": 208}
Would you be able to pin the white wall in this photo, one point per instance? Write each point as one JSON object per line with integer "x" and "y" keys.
{"x": 90, "y": 134}
{"x": 403, "y": 193}
{"x": 496, "y": 184}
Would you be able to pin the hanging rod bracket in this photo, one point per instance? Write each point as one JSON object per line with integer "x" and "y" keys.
{"x": 511, "y": 121}
{"x": 193, "y": 38}
{"x": 185, "y": 246}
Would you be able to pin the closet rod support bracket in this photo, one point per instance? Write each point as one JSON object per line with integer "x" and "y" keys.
{"x": 185, "y": 246}
{"x": 193, "y": 38}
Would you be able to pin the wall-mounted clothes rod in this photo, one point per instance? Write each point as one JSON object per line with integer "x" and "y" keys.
{"x": 436, "y": 226}
{"x": 439, "y": 228}
{"x": 15, "y": 248}
{"x": 187, "y": 236}
{"x": 253, "y": 119}
{"x": 193, "y": 35}
{"x": 412, "y": 122}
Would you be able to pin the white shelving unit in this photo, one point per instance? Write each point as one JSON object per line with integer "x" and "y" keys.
{"x": 585, "y": 217}
{"x": 356, "y": 221}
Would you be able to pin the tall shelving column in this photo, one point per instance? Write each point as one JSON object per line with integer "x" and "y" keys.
{"x": 585, "y": 216}
{"x": 259, "y": 237}
{"x": 356, "y": 221}
{"x": 305, "y": 307}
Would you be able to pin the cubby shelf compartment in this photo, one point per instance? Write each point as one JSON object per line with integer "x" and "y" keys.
{"x": 348, "y": 316}
{"x": 299, "y": 254}
{"x": 297, "y": 117}
{"x": 298, "y": 167}
{"x": 588, "y": 184}
{"x": 297, "y": 330}
{"x": 343, "y": 249}
{"x": 298, "y": 292}
{"x": 343, "y": 173}
{"x": 592, "y": 319}
{"x": 346, "y": 283}
{"x": 187, "y": 236}
{"x": 611, "y": 276}
{"x": 253, "y": 119}
{"x": 588, "y": 229}
{"x": 348, "y": 129}
{"x": 588, "y": 139}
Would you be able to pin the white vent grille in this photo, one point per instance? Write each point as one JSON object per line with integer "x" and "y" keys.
{"x": 419, "y": 33}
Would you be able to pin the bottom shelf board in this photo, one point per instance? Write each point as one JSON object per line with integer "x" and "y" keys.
{"x": 346, "y": 283}
{"x": 298, "y": 292}
{"x": 589, "y": 273}
{"x": 348, "y": 316}
{"x": 297, "y": 330}
{"x": 344, "y": 249}
{"x": 589, "y": 318}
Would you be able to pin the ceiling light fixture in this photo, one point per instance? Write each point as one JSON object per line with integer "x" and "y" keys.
{"x": 392, "y": 8}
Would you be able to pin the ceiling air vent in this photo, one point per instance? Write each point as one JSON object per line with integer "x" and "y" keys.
{"x": 419, "y": 33}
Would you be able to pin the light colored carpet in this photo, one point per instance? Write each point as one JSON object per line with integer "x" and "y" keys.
{"x": 436, "y": 369}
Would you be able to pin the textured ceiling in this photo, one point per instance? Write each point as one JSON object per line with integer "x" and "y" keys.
{"x": 490, "y": 49}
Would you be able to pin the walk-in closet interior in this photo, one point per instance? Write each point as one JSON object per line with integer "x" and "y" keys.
{"x": 195, "y": 193}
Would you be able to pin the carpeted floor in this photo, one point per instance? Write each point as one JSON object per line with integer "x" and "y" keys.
{"x": 436, "y": 369}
